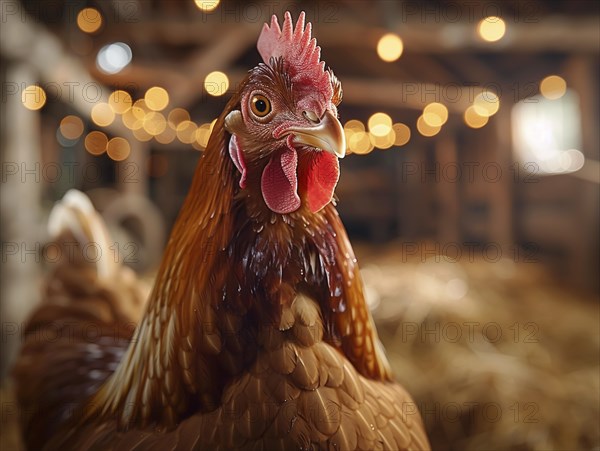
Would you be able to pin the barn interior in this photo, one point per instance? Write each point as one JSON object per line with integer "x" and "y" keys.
{"x": 470, "y": 190}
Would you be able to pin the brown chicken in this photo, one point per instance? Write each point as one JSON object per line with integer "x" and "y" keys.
{"x": 256, "y": 334}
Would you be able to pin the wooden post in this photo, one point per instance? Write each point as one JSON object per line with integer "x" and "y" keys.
{"x": 22, "y": 226}
{"x": 585, "y": 243}
{"x": 447, "y": 189}
{"x": 501, "y": 205}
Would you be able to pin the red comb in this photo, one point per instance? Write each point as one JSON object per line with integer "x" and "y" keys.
{"x": 300, "y": 53}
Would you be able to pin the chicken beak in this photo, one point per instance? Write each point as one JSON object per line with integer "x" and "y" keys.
{"x": 327, "y": 135}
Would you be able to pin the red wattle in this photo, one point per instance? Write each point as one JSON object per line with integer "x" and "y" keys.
{"x": 279, "y": 183}
{"x": 319, "y": 173}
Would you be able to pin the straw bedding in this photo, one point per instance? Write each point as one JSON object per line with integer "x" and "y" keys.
{"x": 496, "y": 354}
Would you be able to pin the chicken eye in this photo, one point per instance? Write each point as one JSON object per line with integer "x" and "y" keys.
{"x": 260, "y": 105}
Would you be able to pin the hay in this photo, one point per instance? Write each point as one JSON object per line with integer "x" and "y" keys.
{"x": 496, "y": 354}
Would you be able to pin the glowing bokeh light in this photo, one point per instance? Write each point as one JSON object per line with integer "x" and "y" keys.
{"x": 120, "y": 101}
{"x": 33, "y": 97}
{"x": 139, "y": 109}
{"x": 402, "y": 132}
{"x": 89, "y": 20}
{"x": 118, "y": 149}
{"x": 354, "y": 125}
{"x": 102, "y": 114}
{"x": 167, "y": 136}
{"x": 383, "y": 142}
{"x": 207, "y": 5}
{"x": 177, "y": 116}
{"x": 390, "y": 47}
{"x": 156, "y": 98}
{"x": 425, "y": 129}
{"x": 131, "y": 121}
{"x": 154, "y": 123}
{"x": 435, "y": 114}
{"x": 486, "y": 103}
{"x": 473, "y": 119}
{"x": 186, "y": 132}
{"x": 71, "y": 127}
{"x": 380, "y": 124}
{"x": 360, "y": 143}
{"x": 142, "y": 135}
{"x": 203, "y": 134}
{"x": 113, "y": 58}
{"x": 491, "y": 28}
{"x": 96, "y": 142}
{"x": 216, "y": 83}
{"x": 553, "y": 87}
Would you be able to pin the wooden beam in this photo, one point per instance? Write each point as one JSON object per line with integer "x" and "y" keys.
{"x": 555, "y": 33}
{"x": 219, "y": 56}
{"x": 406, "y": 94}
{"x": 549, "y": 33}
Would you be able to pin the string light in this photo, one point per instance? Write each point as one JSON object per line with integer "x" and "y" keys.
{"x": 154, "y": 123}
{"x": 350, "y": 128}
{"x": 402, "y": 132}
{"x": 360, "y": 143}
{"x": 89, "y": 20}
{"x": 118, "y": 149}
{"x": 96, "y": 142}
{"x": 113, "y": 58}
{"x": 167, "y": 136}
{"x": 380, "y": 124}
{"x": 142, "y": 135}
{"x": 71, "y": 127}
{"x": 203, "y": 134}
{"x": 186, "y": 132}
{"x": 156, "y": 98}
{"x": 33, "y": 97}
{"x": 390, "y": 47}
{"x": 216, "y": 83}
{"x": 131, "y": 121}
{"x": 491, "y": 28}
{"x": 207, "y": 5}
{"x": 486, "y": 103}
{"x": 385, "y": 141}
{"x": 473, "y": 119}
{"x": 102, "y": 114}
{"x": 435, "y": 114}
{"x": 177, "y": 116}
{"x": 425, "y": 129}
{"x": 553, "y": 87}
{"x": 120, "y": 101}
{"x": 354, "y": 125}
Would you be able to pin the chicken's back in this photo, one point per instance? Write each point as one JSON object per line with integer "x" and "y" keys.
{"x": 74, "y": 340}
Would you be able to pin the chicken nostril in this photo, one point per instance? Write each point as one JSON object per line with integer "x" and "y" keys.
{"x": 312, "y": 117}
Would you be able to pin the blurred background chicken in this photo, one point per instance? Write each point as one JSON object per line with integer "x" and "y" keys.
{"x": 469, "y": 189}
{"x": 75, "y": 339}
